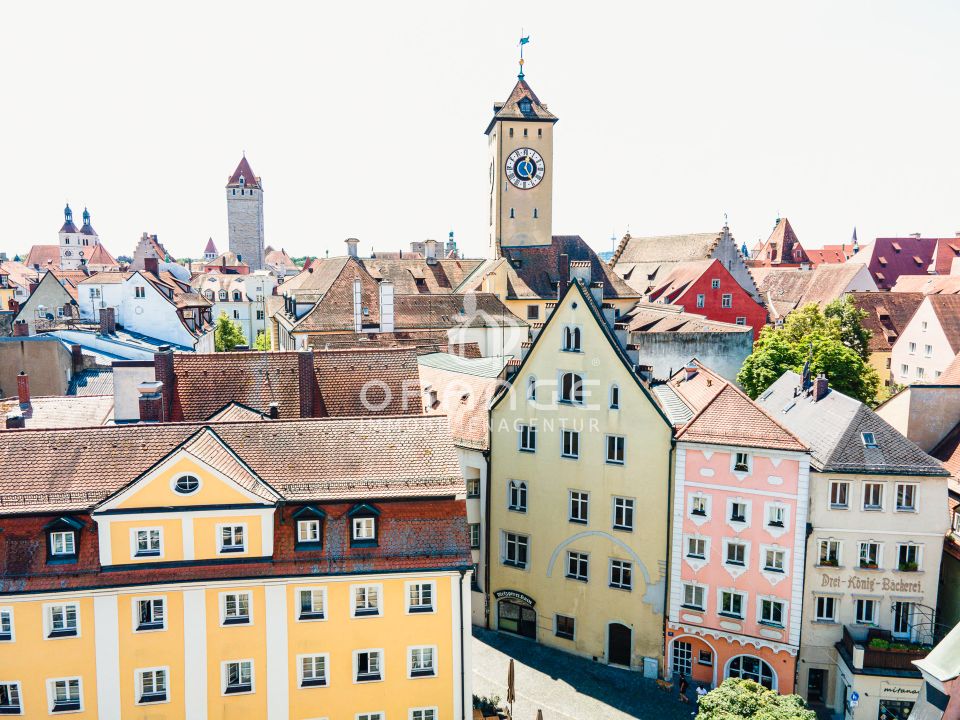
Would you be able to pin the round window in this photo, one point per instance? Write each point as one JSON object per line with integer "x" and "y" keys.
{"x": 186, "y": 484}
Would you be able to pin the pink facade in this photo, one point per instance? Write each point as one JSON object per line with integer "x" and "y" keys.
{"x": 737, "y": 562}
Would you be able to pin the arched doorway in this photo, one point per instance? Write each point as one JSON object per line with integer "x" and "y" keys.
{"x": 748, "y": 667}
{"x": 515, "y": 613}
{"x": 619, "y": 644}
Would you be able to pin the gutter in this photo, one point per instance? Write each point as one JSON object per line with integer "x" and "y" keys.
{"x": 666, "y": 584}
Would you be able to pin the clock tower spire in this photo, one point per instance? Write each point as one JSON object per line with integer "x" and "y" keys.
{"x": 520, "y": 138}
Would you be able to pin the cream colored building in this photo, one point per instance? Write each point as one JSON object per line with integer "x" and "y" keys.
{"x": 579, "y": 494}
{"x": 878, "y": 516}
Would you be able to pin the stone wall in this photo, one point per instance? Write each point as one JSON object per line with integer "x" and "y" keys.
{"x": 245, "y": 225}
{"x": 723, "y": 353}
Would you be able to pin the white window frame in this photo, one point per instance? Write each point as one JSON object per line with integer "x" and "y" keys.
{"x": 412, "y": 609}
{"x": 619, "y": 444}
{"x": 574, "y": 436}
{"x": 15, "y": 684}
{"x": 48, "y": 619}
{"x": 361, "y": 523}
{"x": 581, "y": 558}
{"x": 223, "y": 608}
{"x": 624, "y": 564}
{"x": 135, "y": 543}
{"x": 817, "y": 617}
{"x": 707, "y": 504}
{"x": 51, "y": 694}
{"x": 476, "y": 535}
{"x": 883, "y": 494}
{"x": 918, "y": 549}
{"x": 783, "y": 611}
{"x": 697, "y": 539}
{"x": 433, "y": 651}
{"x": 423, "y": 710}
{"x": 522, "y": 494}
{"x": 764, "y": 549}
{"x": 580, "y": 502}
{"x": 233, "y": 525}
{"x": 727, "y": 543}
{"x": 836, "y": 506}
{"x": 726, "y": 301}
{"x": 879, "y": 554}
{"x": 135, "y": 606}
{"x": 614, "y": 397}
{"x": 308, "y": 523}
{"x": 744, "y": 603}
{"x": 505, "y": 541}
{"x": 747, "y": 461}
{"x": 8, "y": 610}
{"x": 715, "y": 284}
{"x": 829, "y": 542}
{"x": 223, "y": 677}
{"x": 915, "y": 490}
{"x": 701, "y": 300}
{"x": 632, "y": 508}
{"x": 747, "y": 512}
{"x": 777, "y": 508}
{"x": 528, "y": 443}
{"x": 856, "y": 607}
{"x": 72, "y": 534}
{"x": 366, "y": 612}
{"x": 369, "y": 715}
{"x": 697, "y": 588}
{"x": 326, "y": 670}
{"x": 138, "y": 684}
{"x": 380, "y": 663}
{"x": 319, "y": 617}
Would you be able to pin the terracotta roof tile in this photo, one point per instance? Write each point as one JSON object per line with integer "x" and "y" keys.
{"x": 44, "y": 256}
{"x": 781, "y": 248}
{"x": 928, "y": 284}
{"x": 947, "y": 308}
{"x": 889, "y": 258}
{"x": 887, "y": 315}
{"x": 63, "y": 411}
{"x": 465, "y": 400}
{"x": 795, "y": 287}
{"x": 510, "y": 110}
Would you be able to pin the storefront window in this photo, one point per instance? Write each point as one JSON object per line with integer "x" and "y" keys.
{"x": 751, "y": 668}
{"x": 894, "y": 710}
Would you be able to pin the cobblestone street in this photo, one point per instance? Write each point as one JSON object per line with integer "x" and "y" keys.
{"x": 567, "y": 687}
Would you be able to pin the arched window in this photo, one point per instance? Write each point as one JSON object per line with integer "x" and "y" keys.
{"x": 223, "y": 294}
{"x": 518, "y": 496}
{"x": 532, "y": 388}
{"x": 614, "y": 397}
{"x": 237, "y": 297}
{"x": 571, "y": 388}
{"x": 748, "y": 667}
{"x": 571, "y": 339}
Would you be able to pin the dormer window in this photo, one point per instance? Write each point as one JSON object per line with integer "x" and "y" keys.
{"x": 309, "y": 528}
{"x": 363, "y": 525}
{"x": 63, "y": 538}
{"x": 237, "y": 297}
{"x": 526, "y": 106}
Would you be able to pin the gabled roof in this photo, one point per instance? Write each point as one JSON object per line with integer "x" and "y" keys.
{"x": 730, "y": 418}
{"x": 249, "y": 178}
{"x": 44, "y": 256}
{"x": 889, "y": 258}
{"x": 411, "y": 275}
{"x": 832, "y": 428}
{"x": 782, "y": 247}
{"x": 887, "y": 316}
{"x": 236, "y": 412}
{"x": 951, "y": 375}
{"x": 98, "y": 255}
{"x": 510, "y": 110}
{"x": 665, "y": 248}
{"x": 650, "y": 318}
{"x": 948, "y": 250}
{"x": 829, "y": 254}
{"x": 464, "y": 397}
{"x": 679, "y": 279}
{"x": 277, "y": 257}
{"x": 209, "y": 449}
{"x": 928, "y": 284}
{"x": 947, "y": 309}
{"x": 791, "y": 288}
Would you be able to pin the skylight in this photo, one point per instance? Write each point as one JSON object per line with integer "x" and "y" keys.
{"x": 869, "y": 440}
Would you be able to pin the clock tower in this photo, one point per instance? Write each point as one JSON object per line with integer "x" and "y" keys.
{"x": 520, "y": 138}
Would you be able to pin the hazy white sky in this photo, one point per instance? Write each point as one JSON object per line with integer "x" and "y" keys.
{"x": 366, "y": 119}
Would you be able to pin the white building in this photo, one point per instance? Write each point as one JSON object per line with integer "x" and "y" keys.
{"x": 929, "y": 342}
{"x": 242, "y": 298}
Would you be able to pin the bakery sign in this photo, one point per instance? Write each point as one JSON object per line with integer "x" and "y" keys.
{"x": 893, "y": 691}
{"x": 870, "y": 584}
{"x": 514, "y": 595}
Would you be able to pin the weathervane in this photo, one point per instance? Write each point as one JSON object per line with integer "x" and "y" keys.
{"x": 524, "y": 39}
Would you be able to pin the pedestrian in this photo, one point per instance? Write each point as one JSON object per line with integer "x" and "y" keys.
{"x": 682, "y": 687}
{"x": 701, "y": 691}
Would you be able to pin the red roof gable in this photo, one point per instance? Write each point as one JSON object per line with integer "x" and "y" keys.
{"x": 892, "y": 257}
{"x": 249, "y": 179}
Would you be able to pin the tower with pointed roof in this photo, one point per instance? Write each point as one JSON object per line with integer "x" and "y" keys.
{"x": 520, "y": 138}
{"x": 245, "y": 215}
{"x": 71, "y": 241}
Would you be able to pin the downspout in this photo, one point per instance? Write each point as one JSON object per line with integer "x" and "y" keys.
{"x": 463, "y": 674}
{"x": 666, "y": 584}
{"x": 486, "y": 535}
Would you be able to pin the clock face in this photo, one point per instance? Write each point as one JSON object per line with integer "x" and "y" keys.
{"x": 525, "y": 168}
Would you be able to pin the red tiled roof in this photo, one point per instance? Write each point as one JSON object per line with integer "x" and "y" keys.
{"x": 928, "y": 284}
{"x": 892, "y": 257}
{"x": 510, "y": 110}
{"x": 829, "y": 254}
{"x": 210, "y": 248}
{"x": 413, "y": 535}
{"x": 947, "y": 308}
{"x": 98, "y": 255}
{"x": 681, "y": 276}
{"x": 44, "y": 256}
{"x": 781, "y": 248}
{"x": 951, "y": 375}
{"x": 948, "y": 249}
{"x": 465, "y": 400}
{"x": 887, "y": 315}
{"x": 250, "y": 180}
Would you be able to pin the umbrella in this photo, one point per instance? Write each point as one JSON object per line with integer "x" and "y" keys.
{"x": 539, "y": 714}
{"x": 511, "y": 693}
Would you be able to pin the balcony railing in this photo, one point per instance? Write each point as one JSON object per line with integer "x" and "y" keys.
{"x": 856, "y": 643}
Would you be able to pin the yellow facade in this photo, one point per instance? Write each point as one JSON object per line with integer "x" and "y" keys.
{"x": 195, "y": 636}
{"x": 642, "y": 480}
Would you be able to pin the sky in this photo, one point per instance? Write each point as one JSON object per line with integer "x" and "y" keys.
{"x": 366, "y": 119}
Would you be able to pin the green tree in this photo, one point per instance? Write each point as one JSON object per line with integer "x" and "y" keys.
{"x": 835, "y": 344}
{"x": 736, "y": 699}
{"x": 262, "y": 342}
{"x": 227, "y": 334}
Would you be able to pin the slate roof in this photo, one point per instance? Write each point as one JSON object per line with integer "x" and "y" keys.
{"x": 249, "y": 178}
{"x": 510, "y": 110}
{"x": 792, "y": 288}
{"x": 887, "y": 316}
{"x": 832, "y": 428}
{"x": 928, "y": 284}
{"x": 889, "y": 258}
{"x": 92, "y": 381}
{"x": 62, "y": 411}
{"x": 781, "y": 248}
{"x": 947, "y": 309}
{"x": 309, "y": 460}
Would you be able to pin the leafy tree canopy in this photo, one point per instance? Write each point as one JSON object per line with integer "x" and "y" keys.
{"x": 736, "y": 699}
{"x": 262, "y": 342}
{"x": 834, "y": 340}
{"x": 227, "y": 334}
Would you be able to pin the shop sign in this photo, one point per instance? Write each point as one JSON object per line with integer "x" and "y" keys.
{"x": 892, "y": 691}
{"x": 514, "y": 595}
{"x": 869, "y": 584}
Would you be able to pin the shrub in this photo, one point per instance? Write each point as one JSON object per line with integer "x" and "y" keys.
{"x": 879, "y": 644}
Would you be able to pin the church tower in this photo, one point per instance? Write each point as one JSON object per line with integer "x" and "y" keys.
{"x": 71, "y": 243}
{"x": 245, "y": 215}
{"x": 520, "y": 138}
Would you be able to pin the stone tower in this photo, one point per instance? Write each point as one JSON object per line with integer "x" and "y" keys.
{"x": 245, "y": 215}
{"x": 520, "y": 138}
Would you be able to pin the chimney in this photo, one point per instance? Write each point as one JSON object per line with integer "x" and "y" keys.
{"x": 690, "y": 371}
{"x": 152, "y": 265}
{"x": 308, "y": 378}
{"x": 68, "y": 310}
{"x": 31, "y": 286}
{"x": 820, "y": 388}
{"x": 352, "y": 245}
{"x": 564, "y": 271}
{"x": 580, "y": 270}
{"x": 151, "y": 401}
{"x": 108, "y": 321}
{"x": 23, "y": 389}
{"x": 15, "y": 420}
{"x": 76, "y": 358}
{"x": 274, "y": 410}
{"x": 430, "y": 247}
{"x": 21, "y": 329}
{"x": 915, "y": 235}
{"x": 163, "y": 372}
{"x": 386, "y": 306}
{"x": 596, "y": 289}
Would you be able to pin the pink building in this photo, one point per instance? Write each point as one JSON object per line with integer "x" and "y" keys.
{"x": 739, "y": 523}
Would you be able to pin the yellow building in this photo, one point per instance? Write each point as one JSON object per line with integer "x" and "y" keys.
{"x": 579, "y": 488}
{"x": 267, "y": 569}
